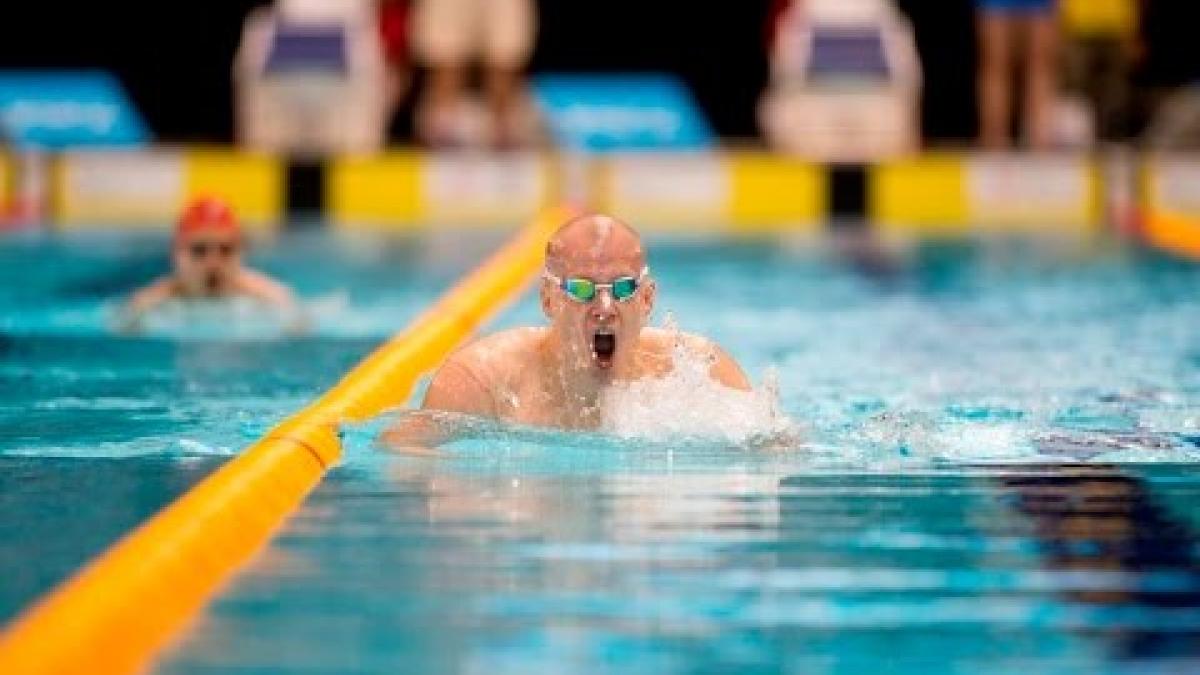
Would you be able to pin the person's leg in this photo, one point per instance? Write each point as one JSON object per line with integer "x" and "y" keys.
{"x": 1113, "y": 87}
{"x": 510, "y": 27}
{"x": 443, "y": 94}
{"x": 504, "y": 88}
{"x": 994, "y": 78}
{"x": 443, "y": 32}
{"x": 1041, "y": 78}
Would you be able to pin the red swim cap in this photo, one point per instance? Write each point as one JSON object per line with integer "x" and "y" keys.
{"x": 206, "y": 212}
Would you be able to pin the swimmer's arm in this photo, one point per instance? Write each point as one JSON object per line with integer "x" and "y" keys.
{"x": 454, "y": 389}
{"x": 143, "y": 301}
{"x": 727, "y": 371}
{"x": 415, "y": 435}
{"x": 265, "y": 289}
{"x": 260, "y": 286}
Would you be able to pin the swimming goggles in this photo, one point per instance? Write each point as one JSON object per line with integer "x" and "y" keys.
{"x": 580, "y": 289}
{"x": 201, "y": 249}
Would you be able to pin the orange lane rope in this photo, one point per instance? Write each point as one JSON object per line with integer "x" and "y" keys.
{"x": 1173, "y": 232}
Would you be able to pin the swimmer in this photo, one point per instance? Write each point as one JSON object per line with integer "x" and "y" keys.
{"x": 597, "y": 293}
{"x": 206, "y": 258}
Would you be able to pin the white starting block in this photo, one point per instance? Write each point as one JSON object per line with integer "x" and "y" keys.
{"x": 845, "y": 82}
{"x": 310, "y": 79}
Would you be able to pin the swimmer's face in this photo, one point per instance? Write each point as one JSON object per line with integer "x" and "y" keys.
{"x": 207, "y": 260}
{"x": 599, "y": 336}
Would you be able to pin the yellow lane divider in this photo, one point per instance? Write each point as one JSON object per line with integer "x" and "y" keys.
{"x": 1173, "y": 232}
{"x": 124, "y": 607}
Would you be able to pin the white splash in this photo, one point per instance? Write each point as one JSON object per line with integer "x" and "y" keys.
{"x": 236, "y": 317}
{"x": 243, "y": 318}
{"x": 688, "y": 404}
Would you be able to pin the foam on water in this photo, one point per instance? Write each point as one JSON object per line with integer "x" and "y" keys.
{"x": 687, "y": 404}
{"x": 477, "y": 445}
{"x": 239, "y": 318}
{"x": 331, "y": 314}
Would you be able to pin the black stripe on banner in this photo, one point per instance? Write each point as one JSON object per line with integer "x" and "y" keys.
{"x": 848, "y": 195}
{"x": 305, "y": 190}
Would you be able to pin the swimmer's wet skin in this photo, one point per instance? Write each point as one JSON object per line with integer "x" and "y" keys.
{"x": 597, "y": 293}
{"x": 206, "y": 257}
{"x": 584, "y": 290}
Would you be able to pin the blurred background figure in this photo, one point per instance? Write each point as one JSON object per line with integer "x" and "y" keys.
{"x": 206, "y": 262}
{"x": 1017, "y": 35}
{"x": 1170, "y": 76}
{"x": 1101, "y": 46}
{"x": 1176, "y": 124}
{"x": 844, "y": 83}
{"x": 311, "y": 78}
{"x": 450, "y": 36}
{"x": 394, "y": 29}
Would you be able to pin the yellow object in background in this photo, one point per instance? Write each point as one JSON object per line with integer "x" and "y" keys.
{"x": 375, "y": 191}
{"x": 767, "y": 190}
{"x": 1095, "y": 18}
{"x": 736, "y": 191}
{"x": 927, "y": 195}
{"x": 960, "y": 194}
{"x": 148, "y": 187}
{"x": 403, "y": 190}
{"x": 1173, "y": 232}
{"x": 6, "y": 179}
{"x": 252, "y": 184}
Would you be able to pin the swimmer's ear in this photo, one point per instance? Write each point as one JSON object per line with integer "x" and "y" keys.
{"x": 648, "y": 294}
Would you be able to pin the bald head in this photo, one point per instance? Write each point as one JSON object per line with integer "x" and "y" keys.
{"x": 592, "y": 240}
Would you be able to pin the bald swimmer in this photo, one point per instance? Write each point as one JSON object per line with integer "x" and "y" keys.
{"x": 597, "y": 293}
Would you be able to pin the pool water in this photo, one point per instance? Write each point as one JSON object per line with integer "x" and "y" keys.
{"x": 998, "y": 473}
{"x": 98, "y": 431}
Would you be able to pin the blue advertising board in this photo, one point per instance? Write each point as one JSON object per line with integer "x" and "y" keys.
{"x": 60, "y": 109}
{"x": 605, "y": 113}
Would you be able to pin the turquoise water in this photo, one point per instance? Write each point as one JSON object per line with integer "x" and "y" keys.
{"x": 998, "y": 473}
{"x": 98, "y": 431}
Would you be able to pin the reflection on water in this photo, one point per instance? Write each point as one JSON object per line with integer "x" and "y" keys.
{"x": 878, "y": 545}
{"x": 1099, "y": 519}
{"x": 461, "y": 564}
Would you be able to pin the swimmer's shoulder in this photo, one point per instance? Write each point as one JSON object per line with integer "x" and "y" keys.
{"x": 503, "y": 346}
{"x": 466, "y": 379}
{"x": 662, "y": 341}
{"x": 161, "y": 287}
{"x": 264, "y": 288}
{"x": 155, "y": 293}
{"x": 725, "y": 369}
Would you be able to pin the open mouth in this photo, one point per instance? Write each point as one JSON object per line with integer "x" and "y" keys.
{"x": 604, "y": 346}
{"x": 213, "y": 283}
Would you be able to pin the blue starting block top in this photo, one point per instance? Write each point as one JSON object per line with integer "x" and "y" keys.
{"x": 606, "y": 113}
{"x": 61, "y": 109}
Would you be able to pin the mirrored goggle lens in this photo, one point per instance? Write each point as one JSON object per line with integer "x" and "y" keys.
{"x": 624, "y": 288}
{"x": 202, "y": 249}
{"x": 582, "y": 290}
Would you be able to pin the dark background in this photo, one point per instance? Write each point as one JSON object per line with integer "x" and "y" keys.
{"x": 175, "y": 57}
